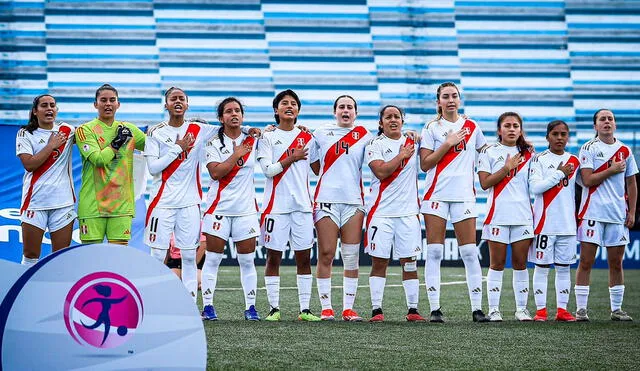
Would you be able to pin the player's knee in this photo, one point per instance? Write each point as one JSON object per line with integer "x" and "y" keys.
{"x": 469, "y": 252}
{"x": 159, "y": 254}
{"x": 188, "y": 257}
{"x": 410, "y": 266}
{"x": 245, "y": 261}
{"x": 325, "y": 257}
{"x": 435, "y": 252}
{"x": 350, "y": 256}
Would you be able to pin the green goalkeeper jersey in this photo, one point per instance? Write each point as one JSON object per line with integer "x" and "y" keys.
{"x": 107, "y": 175}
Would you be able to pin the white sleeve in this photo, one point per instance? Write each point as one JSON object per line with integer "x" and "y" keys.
{"x": 480, "y": 139}
{"x": 632, "y": 167}
{"x": 155, "y": 162}
{"x": 314, "y": 151}
{"x": 265, "y": 158}
{"x": 373, "y": 152}
{"x": 538, "y": 183}
{"x": 23, "y": 144}
{"x": 209, "y": 131}
{"x": 212, "y": 153}
{"x": 586, "y": 158}
{"x": 426, "y": 139}
{"x": 484, "y": 162}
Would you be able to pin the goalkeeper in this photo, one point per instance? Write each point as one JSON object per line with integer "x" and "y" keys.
{"x": 106, "y": 203}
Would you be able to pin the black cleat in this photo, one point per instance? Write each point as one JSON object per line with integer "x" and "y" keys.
{"x": 478, "y": 316}
{"x": 436, "y": 316}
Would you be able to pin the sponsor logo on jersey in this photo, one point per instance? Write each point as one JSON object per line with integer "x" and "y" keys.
{"x": 169, "y": 140}
{"x": 41, "y": 141}
{"x": 226, "y": 151}
{"x": 388, "y": 151}
{"x": 600, "y": 155}
{"x": 127, "y": 232}
{"x": 101, "y": 140}
{"x": 500, "y": 158}
{"x": 551, "y": 166}
{"x": 467, "y": 212}
{"x": 277, "y": 142}
{"x": 526, "y": 232}
{"x": 301, "y": 142}
{"x": 330, "y": 134}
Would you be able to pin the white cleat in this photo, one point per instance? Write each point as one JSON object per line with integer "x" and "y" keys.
{"x": 523, "y": 315}
{"x": 495, "y": 316}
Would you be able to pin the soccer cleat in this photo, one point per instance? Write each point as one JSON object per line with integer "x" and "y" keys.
{"x": 541, "y": 315}
{"x": 327, "y": 315}
{"x": 581, "y": 315}
{"x": 307, "y": 316}
{"x": 564, "y": 316}
{"x": 273, "y": 316}
{"x": 251, "y": 314}
{"x": 436, "y": 316}
{"x": 377, "y": 315}
{"x": 620, "y": 315}
{"x": 478, "y": 316}
{"x": 495, "y": 316}
{"x": 350, "y": 315}
{"x": 414, "y": 316}
{"x": 209, "y": 313}
{"x": 523, "y": 315}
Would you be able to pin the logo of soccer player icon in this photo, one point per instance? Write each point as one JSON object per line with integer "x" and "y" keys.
{"x": 103, "y": 317}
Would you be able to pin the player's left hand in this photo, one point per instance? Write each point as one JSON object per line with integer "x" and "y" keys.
{"x": 413, "y": 135}
{"x": 255, "y": 132}
{"x": 631, "y": 220}
{"x": 303, "y": 128}
{"x": 269, "y": 128}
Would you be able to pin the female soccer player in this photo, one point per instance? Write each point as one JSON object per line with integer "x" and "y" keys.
{"x": 447, "y": 153}
{"x": 231, "y": 205}
{"x": 504, "y": 169}
{"x": 338, "y": 203}
{"x": 286, "y": 210}
{"x": 552, "y": 179}
{"x": 106, "y": 203}
{"x": 392, "y": 211}
{"x": 607, "y": 166}
{"x": 44, "y": 148}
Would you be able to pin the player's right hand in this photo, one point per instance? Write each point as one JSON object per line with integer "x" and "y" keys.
{"x": 407, "y": 151}
{"x": 240, "y": 150}
{"x": 57, "y": 139}
{"x": 512, "y": 162}
{"x": 186, "y": 142}
{"x": 299, "y": 153}
{"x": 455, "y": 137}
{"x": 566, "y": 169}
{"x": 618, "y": 165}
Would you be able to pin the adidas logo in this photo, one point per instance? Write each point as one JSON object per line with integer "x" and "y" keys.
{"x": 277, "y": 142}
{"x": 565, "y": 291}
{"x": 330, "y": 134}
{"x": 551, "y": 166}
{"x": 168, "y": 140}
{"x": 208, "y": 292}
{"x": 252, "y": 230}
{"x": 623, "y": 238}
{"x": 226, "y": 151}
{"x": 524, "y": 291}
{"x": 388, "y": 151}
{"x": 538, "y": 292}
{"x": 477, "y": 290}
{"x": 432, "y": 289}
{"x": 127, "y": 232}
{"x": 600, "y": 154}
{"x": 467, "y": 212}
{"x": 251, "y": 293}
{"x": 41, "y": 141}
{"x": 324, "y": 296}
{"x": 495, "y": 289}
{"x": 526, "y": 232}
{"x": 500, "y": 158}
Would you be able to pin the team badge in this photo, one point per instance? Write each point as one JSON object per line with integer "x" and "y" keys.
{"x": 355, "y": 135}
{"x": 152, "y": 237}
{"x": 495, "y": 231}
{"x": 84, "y": 229}
{"x": 590, "y": 232}
{"x": 301, "y": 142}
{"x": 216, "y": 226}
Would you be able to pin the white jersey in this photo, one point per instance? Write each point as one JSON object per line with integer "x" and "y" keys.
{"x": 50, "y": 186}
{"x": 453, "y": 177}
{"x": 178, "y": 184}
{"x": 508, "y": 201}
{"x": 234, "y": 194}
{"x": 606, "y": 201}
{"x": 396, "y": 195}
{"x": 554, "y": 208}
{"x": 287, "y": 191}
{"x": 341, "y": 152}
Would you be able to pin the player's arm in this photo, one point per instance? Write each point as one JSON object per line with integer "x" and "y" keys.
{"x": 157, "y": 162}
{"x": 632, "y": 193}
{"x": 90, "y": 150}
{"x": 217, "y": 169}
{"x": 592, "y": 179}
{"x": 315, "y": 167}
{"x": 32, "y": 162}
{"x": 383, "y": 170}
{"x": 265, "y": 158}
{"x": 538, "y": 183}
{"x": 488, "y": 180}
{"x": 314, "y": 157}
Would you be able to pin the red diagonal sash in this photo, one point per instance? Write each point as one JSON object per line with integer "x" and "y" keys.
{"x": 300, "y": 140}
{"x": 549, "y": 195}
{"x": 227, "y": 179}
{"x": 450, "y": 156}
{"x": 622, "y": 153}
{"x": 351, "y": 138}
{"x": 502, "y": 184}
{"x": 46, "y": 165}
{"x": 383, "y": 185}
{"x": 173, "y": 166}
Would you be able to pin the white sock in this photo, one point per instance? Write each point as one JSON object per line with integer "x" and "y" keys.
{"x": 520, "y": 283}
{"x": 210, "y": 276}
{"x": 305, "y": 281}
{"x": 159, "y": 254}
{"x": 616, "y": 294}
{"x": 190, "y": 272}
{"x": 272, "y": 284}
{"x": 350, "y": 287}
{"x": 563, "y": 285}
{"x": 473, "y": 271}
{"x": 29, "y": 261}
{"x": 540, "y": 283}
{"x": 432, "y": 274}
{"x": 411, "y": 292}
{"x": 376, "y": 286}
{"x": 582, "y": 296}
{"x": 248, "y": 278}
{"x": 324, "y": 292}
{"x": 494, "y": 288}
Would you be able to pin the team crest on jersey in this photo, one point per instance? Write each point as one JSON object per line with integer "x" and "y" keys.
{"x": 84, "y": 229}
{"x": 216, "y": 226}
{"x": 495, "y": 231}
{"x": 30, "y": 214}
{"x": 435, "y": 205}
{"x": 301, "y": 142}
{"x": 152, "y": 237}
{"x": 355, "y": 135}
{"x": 539, "y": 255}
{"x": 267, "y": 238}
{"x": 590, "y": 232}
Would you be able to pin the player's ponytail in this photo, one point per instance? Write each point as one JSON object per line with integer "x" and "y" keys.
{"x": 521, "y": 143}
{"x": 32, "y": 125}
{"x": 220, "y": 110}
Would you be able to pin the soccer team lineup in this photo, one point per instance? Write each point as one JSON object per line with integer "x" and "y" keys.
{"x": 451, "y": 149}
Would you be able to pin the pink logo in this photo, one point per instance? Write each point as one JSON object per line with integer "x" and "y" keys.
{"x": 103, "y": 310}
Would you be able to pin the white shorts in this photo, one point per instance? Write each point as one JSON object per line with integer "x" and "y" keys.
{"x": 339, "y": 213}
{"x": 458, "y": 211}
{"x": 549, "y": 249}
{"x": 52, "y": 219}
{"x": 239, "y": 228}
{"x": 184, "y": 223}
{"x": 403, "y": 234}
{"x": 507, "y": 233}
{"x": 295, "y": 227}
{"x": 603, "y": 234}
